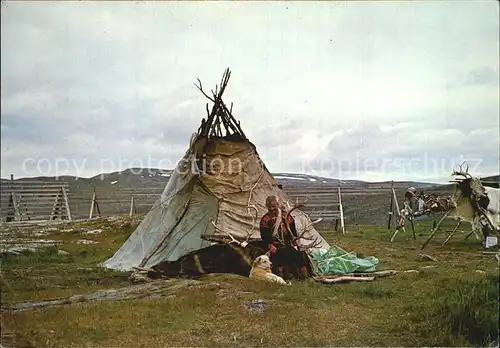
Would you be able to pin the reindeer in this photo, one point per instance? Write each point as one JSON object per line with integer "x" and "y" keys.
{"x": 472, "y": 202}
{"x": 476, "y": 203}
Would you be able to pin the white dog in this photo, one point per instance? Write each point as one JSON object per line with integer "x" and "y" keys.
{"x": 261, "y": 270}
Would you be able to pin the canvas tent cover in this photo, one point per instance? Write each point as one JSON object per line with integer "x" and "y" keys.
{"x": 217, "y": 189}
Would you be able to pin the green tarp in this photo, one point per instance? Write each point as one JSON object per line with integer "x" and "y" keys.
{"x": 338, "y": 261}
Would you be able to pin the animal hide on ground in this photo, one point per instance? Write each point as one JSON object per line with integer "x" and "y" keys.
{"x": 218, "y": 258}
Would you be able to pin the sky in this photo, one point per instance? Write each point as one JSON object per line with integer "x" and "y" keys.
{"x": 350, "y": 90}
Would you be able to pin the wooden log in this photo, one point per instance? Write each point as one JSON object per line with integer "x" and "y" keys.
{"x": 383, "y": 273}
{"x": 346, "y": 279}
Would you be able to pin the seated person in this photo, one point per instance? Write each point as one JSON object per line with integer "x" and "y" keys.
{"x": 280, "y": 241}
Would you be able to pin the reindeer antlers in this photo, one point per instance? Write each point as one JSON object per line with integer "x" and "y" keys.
{"x": 297, "y": 204}
{"x": 314, "y": 242}
{"x": 233, "y": 240}
{"x": 461, "y": 172}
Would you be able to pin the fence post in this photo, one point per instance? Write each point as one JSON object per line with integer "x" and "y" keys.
{"x": 15, "y": 204}
{"x": 399, "y": 216}
{"x": 132, "y": 206}
{"x": 391, "y": 208}
{"x": 55, "y": 206}
{"x": 341, "y": 208}
{"x": 66, "y": 203}
{"x": 35, "y": 200}
{"x": 94, "y": 204}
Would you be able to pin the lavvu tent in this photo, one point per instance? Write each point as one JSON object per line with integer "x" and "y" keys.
{"x": 216, "y": 193}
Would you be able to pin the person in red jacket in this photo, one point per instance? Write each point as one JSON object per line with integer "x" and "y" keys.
{"x": 280, "y": 241}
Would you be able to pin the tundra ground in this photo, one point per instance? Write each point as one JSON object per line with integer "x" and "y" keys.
{"x": 449, "y": 302}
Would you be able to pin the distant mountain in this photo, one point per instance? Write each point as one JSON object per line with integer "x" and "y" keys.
{"x": 146, "y": 177}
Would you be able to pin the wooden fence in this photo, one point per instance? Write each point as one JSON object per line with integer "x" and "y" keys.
{"x": 323, "y": 199}
{"x": 34, "y": 200}
{"x": 322, "y": 203}
{"x": 37, "y": 200}
{"x": 89, "y": 204}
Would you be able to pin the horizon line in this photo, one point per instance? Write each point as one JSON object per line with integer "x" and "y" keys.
{"x": 423, "y": 180}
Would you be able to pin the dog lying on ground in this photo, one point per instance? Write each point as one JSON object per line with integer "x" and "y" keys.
{"x": 261, "y": 270}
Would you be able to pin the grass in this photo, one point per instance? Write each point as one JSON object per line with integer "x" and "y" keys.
{"x": 447, "y": 305}
{"x": 466, "y": 314}
{"x": 44, "y": 274}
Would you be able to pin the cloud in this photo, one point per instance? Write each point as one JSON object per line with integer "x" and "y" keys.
{"x": 483, "y": 76}
{"x": 104, "y": 83}
{"x": 405, "y": 151}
